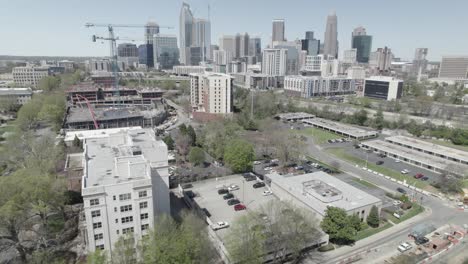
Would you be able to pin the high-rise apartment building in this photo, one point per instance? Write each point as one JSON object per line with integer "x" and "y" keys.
{"x": 125, "y": 186}
{"x": 29, "y": 76}
{"x": 292, "y": 59}
{"x": 211, "y": 93}
{"x": 228, "y": 43}
{"x": 321, "y": 65}
{"x": 420, "y": 61}
{"x": 381, "y": 59}
{"x": 331, "y": 36}
{"x": 278, "y": 31}
{"x": 274, "y": 62}
{"x": 165, "y": 51}
{"x": 362, "y": 43}
{"x": 222, "y": 57}
{"x": 454, "y": 67}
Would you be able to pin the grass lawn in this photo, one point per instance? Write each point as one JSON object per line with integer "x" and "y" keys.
{"x": 465, "y": 183}
{"x": 365, "y": 183}
{"x": 371, "y": 231}
{"x": 341, "y": 153}
{"x": 320, "y": 136}
{"x": 448, "y": 144}
{"x": 7, "y": 128}
{"x": 415, "y": 210}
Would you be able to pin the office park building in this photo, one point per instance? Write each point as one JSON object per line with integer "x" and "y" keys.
{"x": 125, "y": 186}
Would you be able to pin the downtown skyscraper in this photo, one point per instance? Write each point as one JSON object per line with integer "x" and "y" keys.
{"x": 331, "y": 36}
{"x": 278, "y": 31}
{"x": 195, "y": 37}
{"x": 362, "y": 43}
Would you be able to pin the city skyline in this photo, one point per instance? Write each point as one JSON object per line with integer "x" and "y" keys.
{"x": 58, "y": 31}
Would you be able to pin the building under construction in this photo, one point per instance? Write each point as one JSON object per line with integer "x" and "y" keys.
{"x": 94, "y": 107}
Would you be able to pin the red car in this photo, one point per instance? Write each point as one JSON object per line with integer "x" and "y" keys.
{"x": 418, "y": 176}
{"x": 239, "y": 207}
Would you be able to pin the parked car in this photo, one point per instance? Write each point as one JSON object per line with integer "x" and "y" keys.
{"x": 267, "y": 192}
{"x": 258, "y": 185}
{"x": 418, "y": 175}
{"x": 219, "y": 225}
{"x": 396, "y": 202}
{"x": 382, "y": 155}
{"x": 268, "y": 168}
{"x": 405, "y": 171}
{"x": 380, "y": 162}
{"x": 421, "y": 240}
{"x": 251, "y": 178}
{"x": 233, "y": 202}
{"x": 404, "y": 247}
{"x": 228, "y": 196}
{"x": 401, "y": 190}
{"x": 233, "y": 187}
{"x": 274, "y": 161}
{"x": 222, "y": 191}
{"x": 239, "y": 207}
{"x": 397, "y": 161}
{"x": 257, "y": 162}
{"x": 425, "y": 178}
{"x": 299, "y": 167}
{"x": 187, "y": 185}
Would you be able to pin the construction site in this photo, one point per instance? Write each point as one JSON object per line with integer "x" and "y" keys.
{"x": 102, "y": 103}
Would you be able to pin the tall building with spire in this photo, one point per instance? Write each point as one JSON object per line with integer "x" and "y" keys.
{"x": 185, "y": 31}
{"x": 195, "y": 37}
{"x": 331, "y": 36}
{"x": 151, "y": 29}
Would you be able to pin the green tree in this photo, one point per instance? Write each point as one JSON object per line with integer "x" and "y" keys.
{"x": 196, "y": 156}
{"x": 171, "y": 242}
{"x": 373, "y": 219}
{"x": 97, "y": 257}
{"x": 124, "y": 251}
{"x": 183, "y": 129}
{"x": 379, "y": 121}
{"x": 360, "y": 117}
{"x": 169, "y": 142}
{"x": 192, "y": 135}
{"x": 336, "y": 224}
{"x": 246, "y": 247}
{"x": 28, "y": 115}
{"x": 49, "y": 83}
{"x": 239, "y": 155}
{"x": 354, "y": 222}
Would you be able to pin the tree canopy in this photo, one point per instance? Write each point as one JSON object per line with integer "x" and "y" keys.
{"x": 239, "y": 155}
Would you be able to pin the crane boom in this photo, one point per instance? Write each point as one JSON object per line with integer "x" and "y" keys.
{"x": 91, "y": 111}
{"x": 120, "y": 25}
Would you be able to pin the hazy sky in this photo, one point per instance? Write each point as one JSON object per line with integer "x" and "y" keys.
{"x": 56, "y": 27}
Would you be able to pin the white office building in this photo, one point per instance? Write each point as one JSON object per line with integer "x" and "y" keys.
{"x": 19, "y": 96}
{"x": 356, "y": 72}
{"x": 211, "y": 93}
{"x": 29, "y": 75}
{"x": 317, "y": 191}
{"x": 274, "y": 62}
{"x": 321, "y": 65}
{"x": 125, "y": 186}
{"x": 383, "y": 87}
{"x": 187, "y": 70}
{"x": 222, "y": 57}
{"x": 349, "y": 56}
{"x": 311, "y": 86}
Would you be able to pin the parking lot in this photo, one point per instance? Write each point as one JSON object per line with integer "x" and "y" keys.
{"x": 207, "y": 197}
{"x": 389, "y": 162}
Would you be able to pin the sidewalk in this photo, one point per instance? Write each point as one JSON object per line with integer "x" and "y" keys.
{"x": 371, "y": 243}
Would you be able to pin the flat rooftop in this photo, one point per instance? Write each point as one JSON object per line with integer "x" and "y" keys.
{"x": 109, "y": 113}
{"x": 414, "y": 155}
{"x": 353, "y": 131}
{"x": 121, "y": 157}
{"x": 96, "y": 133}
{"x": 16, "y": 91}
{"x": 292, "y": 116}
{"x": 430, "y": 147}
{"x": 319, "y": 190}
